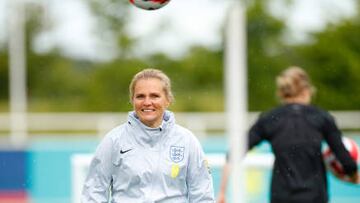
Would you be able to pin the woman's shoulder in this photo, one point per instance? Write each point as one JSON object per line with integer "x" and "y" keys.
{"x": 187, "y": 137}
{"x": 183, "y": 134}
{"x": 116, "y": 132}
{"x": 318, "y": 111}
{"x": 272, "y": 113}
{"x": 182, "y": 131}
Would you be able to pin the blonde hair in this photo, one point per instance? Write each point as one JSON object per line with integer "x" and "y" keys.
{"x": 152, "y": 73}
{"x": 291, "y": 82}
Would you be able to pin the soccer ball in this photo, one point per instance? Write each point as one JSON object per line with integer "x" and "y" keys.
{"x": 149, "y": 4}
{"x": 334, "y": 165}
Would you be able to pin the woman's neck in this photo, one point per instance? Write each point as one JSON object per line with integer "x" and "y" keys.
{"x": 303, "y": 98}
{"x": 298, "y": 100}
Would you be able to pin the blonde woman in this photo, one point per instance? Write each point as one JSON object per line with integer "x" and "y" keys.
{"x": 295, "y": 131}
{"x": 149, "y": 158}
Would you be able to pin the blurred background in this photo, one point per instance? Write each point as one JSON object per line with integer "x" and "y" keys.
{"x": 65, "y": 67}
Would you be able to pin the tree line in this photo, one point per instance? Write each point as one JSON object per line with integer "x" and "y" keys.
{"x": 58, "y": 83}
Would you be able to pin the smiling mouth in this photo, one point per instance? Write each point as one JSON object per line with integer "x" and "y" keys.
{"x": 147, "y": 110}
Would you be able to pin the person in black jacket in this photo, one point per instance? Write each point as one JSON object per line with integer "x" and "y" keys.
{"x": 295, "y": 131}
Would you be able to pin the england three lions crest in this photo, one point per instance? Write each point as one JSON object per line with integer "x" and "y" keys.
{"x": 177, "y": 153}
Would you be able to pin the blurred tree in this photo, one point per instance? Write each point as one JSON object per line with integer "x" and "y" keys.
{"x": 4, "y": 82}
{"x": 53, "y": 82}
{"x": 192, "y": 74}
{"x": 111, "y": 17}
{"x": 57, "y": 83}
{"x": 332, "y": 58}
{"x": 197, "y": 78}
{"x": 266, "y": 54}
{"x": 107, "y": 89}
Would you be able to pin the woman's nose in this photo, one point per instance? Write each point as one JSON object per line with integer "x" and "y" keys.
{"x": 147, "y": 101}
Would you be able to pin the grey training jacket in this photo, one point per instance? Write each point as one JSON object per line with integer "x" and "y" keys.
{"x": 138, "y": 164}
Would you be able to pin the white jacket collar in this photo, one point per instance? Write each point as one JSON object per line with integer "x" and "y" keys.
{"x": 147, "y": 136}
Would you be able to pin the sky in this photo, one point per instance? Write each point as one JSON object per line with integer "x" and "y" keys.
{"x": 192, "y": 22}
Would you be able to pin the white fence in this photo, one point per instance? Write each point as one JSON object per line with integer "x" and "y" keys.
{"x": 99, "y": 123}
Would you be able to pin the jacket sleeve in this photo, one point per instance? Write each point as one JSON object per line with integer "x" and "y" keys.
{"x": 334, "y": 139}
{"x": 199, "y": 180}
{"x": 97, "y": 184}
{"x": 256, "y": 133}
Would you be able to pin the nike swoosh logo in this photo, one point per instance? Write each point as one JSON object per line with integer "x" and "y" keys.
{"x": 123, "y": 152}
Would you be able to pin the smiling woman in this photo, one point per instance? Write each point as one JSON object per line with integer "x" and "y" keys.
{"x": 149, "y": 158}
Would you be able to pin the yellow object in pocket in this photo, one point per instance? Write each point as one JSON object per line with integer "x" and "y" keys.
{"x": 175, "y": 170}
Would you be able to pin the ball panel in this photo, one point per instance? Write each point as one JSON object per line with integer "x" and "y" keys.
{"x": 149, "y": 4}
{"x": 355, "y": 151}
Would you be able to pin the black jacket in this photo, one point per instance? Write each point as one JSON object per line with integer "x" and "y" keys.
{"x": 295, "y": 133}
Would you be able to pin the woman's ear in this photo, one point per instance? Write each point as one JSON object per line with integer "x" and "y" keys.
{"x": 168, "y": 103}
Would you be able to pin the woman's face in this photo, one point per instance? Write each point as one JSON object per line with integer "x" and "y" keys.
{"x": 150, "y": 101}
